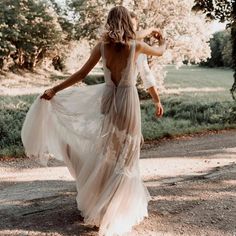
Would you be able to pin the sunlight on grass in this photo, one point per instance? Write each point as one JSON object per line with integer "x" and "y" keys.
{"x": 198, "y": 77}
{"x": 185, "y": 113}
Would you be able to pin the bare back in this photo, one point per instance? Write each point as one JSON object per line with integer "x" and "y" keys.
{"x": 117, "y": 59}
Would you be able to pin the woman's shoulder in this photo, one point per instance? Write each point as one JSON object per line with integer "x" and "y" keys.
{"x": 97, "y": 46}
{"x": 139, "y": 45}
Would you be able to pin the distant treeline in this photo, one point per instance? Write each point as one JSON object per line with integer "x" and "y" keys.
{"x": 27, "y": 30}
{"x": 221, "y": 50}
{"x": 31, "y": 31}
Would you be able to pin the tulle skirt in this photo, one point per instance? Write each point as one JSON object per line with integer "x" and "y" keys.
{"x": 96, "y": 131}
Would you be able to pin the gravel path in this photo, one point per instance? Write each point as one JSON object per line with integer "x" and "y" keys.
{"x": 192, "y": 182}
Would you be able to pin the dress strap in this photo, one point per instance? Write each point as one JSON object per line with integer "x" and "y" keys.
{"x": 102, "y": 49}
{"x": 133, "y": 45}
{"x": 132, "y": 52}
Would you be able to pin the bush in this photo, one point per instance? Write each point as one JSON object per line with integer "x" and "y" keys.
{"x": 13, "y": 111}
{"x": 182, "y": 116}
{"x": 186, "y": 116}
{"x": 221, "y": 50}
{"x": 94, "y": 79}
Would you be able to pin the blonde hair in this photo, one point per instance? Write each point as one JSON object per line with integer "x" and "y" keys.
{"x": 119, "y": 27}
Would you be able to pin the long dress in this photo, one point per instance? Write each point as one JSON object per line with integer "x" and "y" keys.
{"x": 96, "y": 131}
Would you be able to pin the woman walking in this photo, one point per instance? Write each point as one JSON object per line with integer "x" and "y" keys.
{"x": 96, "y": 130}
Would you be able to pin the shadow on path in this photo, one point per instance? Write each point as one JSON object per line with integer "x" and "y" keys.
{"x": 193, "y": 206}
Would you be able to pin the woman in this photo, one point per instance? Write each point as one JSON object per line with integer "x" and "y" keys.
{"x": 96, "y": 130}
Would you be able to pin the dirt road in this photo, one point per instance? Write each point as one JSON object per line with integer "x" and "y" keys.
{"x": 192, "y": 182}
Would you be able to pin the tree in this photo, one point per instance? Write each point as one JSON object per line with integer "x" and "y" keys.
{"x": 222, "y": 11}
{"x": 28, "y": 29}
{"x": 90, "y": 15}
{"x": 221, "y": 50}
{"x": 227, "y": 51}
{"x": 65, "y": 19}
{"x": 186, "y": 29}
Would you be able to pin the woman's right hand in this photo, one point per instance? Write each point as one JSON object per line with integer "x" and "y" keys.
{"x": 159, "y": 36}
{"x": 159, "y": 109}
{"x": 156, "y": 33}
{"x": 48, "y": 94}
{"x": 161, "y": 40}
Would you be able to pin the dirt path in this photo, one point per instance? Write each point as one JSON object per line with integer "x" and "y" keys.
{"x": 192, "y": 182}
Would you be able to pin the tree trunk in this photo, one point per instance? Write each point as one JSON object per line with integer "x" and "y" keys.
{"x": 35, "y": 58}
{"x": 233, "y": 37}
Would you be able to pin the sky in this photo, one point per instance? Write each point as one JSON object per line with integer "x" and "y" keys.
{"x": 216, "y": 26}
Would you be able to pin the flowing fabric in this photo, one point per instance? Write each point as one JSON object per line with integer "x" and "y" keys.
{"x": 96, "y": 131}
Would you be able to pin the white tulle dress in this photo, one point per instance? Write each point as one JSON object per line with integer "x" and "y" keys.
{"x": 96, "y": 131}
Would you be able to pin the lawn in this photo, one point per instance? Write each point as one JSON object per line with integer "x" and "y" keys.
{"x": 203, "y": 103}
{"x": 185, "y": 112}
{"x": 198, "y": 77}
{"x": 205, "y": 79}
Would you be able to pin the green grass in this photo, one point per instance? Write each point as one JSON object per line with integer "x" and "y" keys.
{"x": 186, "y": 116}
{"x": 185, "y": 113}
{"x": 12, "y": 114}
{"x": 94, "y": 79}
{"x": 198, "y": 77}
{"x": 192, "y": 112}
{"x": 58, "y": 77}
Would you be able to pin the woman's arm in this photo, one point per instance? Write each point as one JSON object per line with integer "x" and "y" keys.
{"x": 149, "y": 83}
{"x": 152, "y": 51}
{"x": 77, "y": 76}
{"x": 141, "y": 34}
{"x": 83, "y": 72}
{"x": 156, "y": 99}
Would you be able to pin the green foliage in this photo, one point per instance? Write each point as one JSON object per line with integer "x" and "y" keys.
{"x": 221, "y": 50}
{"x": 183, "y": 115}
{"x": 27, "y": 30}
{"x": 222, "y": 11}
{"x": 187, "y": 116}
{"x": 88, "y": 20}
{"x": 12, "y": 114}
{"x": 215, "y": 9}
{"x": 201, "y": 78}
{"x": 64, "y": 19}
{"x": 94, "y": 79}
{"x": 58, "y": 77}
{"x": 90, "y": 16}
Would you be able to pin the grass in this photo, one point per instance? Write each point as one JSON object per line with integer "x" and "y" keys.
{"x": 186, "y": 116}
{"x": 198, "y": 77}
{"x": 93, "y": 79}
{"x": 185, "y": 113}
{"x": 12, "y": 114}
{"x": 192, "y": 112}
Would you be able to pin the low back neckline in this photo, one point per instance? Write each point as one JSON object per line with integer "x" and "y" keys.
{"x": 129, "y": 62}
